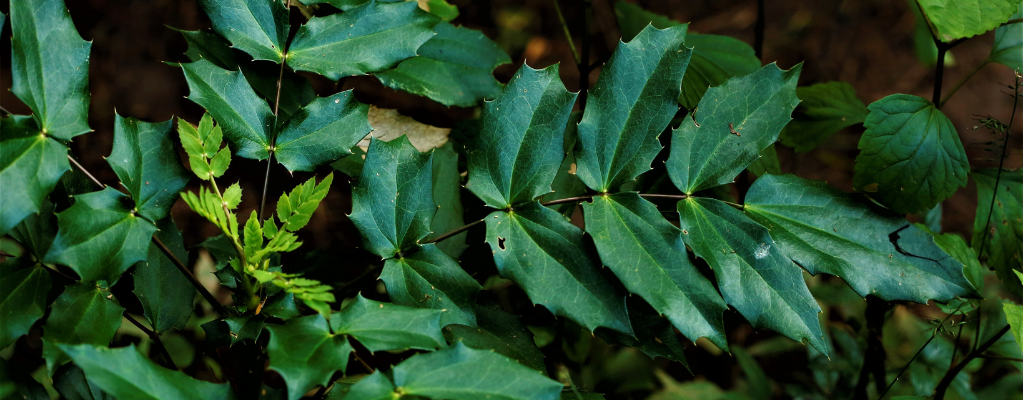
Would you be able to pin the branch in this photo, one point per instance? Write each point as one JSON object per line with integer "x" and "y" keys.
{"x": 156, "y": 339}
{"x": 939, "y": 392}
{"x": 568, "y": 35}
{"x": 874, "y": 356}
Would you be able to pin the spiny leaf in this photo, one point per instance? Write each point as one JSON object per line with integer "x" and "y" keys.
{"x": 514, "y": 156}
{"x": 429, "y": 278}
{"x": 257, "y": 27}
{"x": 127, "y": 375}
{"x": 1008, "y": 47}
{"x": 447, "y": 194}
{"x": 541, "y": 251}
{"x": 631, "y": 104}
{"x": 220, "y": 162}
{"x": 753, "y": 274}
{"x": 100, "y": 237}
{"x": 392, "y": 204}
{"x": 910, "y": 156}
{"x": 368, "y": 38}
{"x": 30, "y": 166}
{"x": 233, "y": 196}
{"x": 501, "y": 332}
{"x": 825, "y": 109}
{"x": 50, "y": 67}
{"x": 147, "y": 164}
{"x": 955, "y": 19}
{"x": 306, "y": 353}
{"x": 566, "y": 183}
{"x": 247, "y": 120}
{"x": 253, "y": 236}
{"x": 304, "y": 200}
{"x": 36, "y": 232}
{"x": 165, "y": 293}
{"x": 23, "y": 292}
{"x": 384, "y": 326}
{"x": 1003, "y": 248}
{"x": 69, "y": 381}
{"x": 85, "y": 313}
{"x": 715, "y": 59}
{"x": 732, "y": 125}
{"x": 322, "y": 132}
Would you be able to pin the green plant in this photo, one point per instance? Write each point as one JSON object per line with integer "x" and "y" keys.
{"x": 651, "y": 183}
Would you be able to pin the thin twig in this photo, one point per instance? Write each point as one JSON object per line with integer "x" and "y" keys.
{"x": 568, "y": 34}
{"x": 997, "y": 357}
{"x": 82, "y": 169}
{"x": 961, "y": 82}
{"x": 273, "y": 139}
{"x": 905, "y": 367}
{"x": 363, "y": 362}
{"x": 1001, "y": 163}
{"x": 939, "y": 71}
{"x": 758, "y": 29}
{"x": 155, "y": 337}
{"x": 939, "y": 392}
{"x": 453, "y": 233}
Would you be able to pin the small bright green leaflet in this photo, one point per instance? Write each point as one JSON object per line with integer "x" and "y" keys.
{"x": 752, "y": 272}
{"x": 84, "y": 313}
{"x": 23, "y": 292}
{"x": 369, "y": 38}
{"x": 825, "y": 231}
{"x": 543, "y": 252}
{"x": 825, "y": 109}
{"x": 732, "y": 126}
{"x": 429, "y": 278}
{"x": 392, "y": 202}
{"x": 1003, "y": 248}
{"x": 631, "y": 104}
{"x": 646, "y": 253}
{"x": 306, "y": 354}
{"x": 165, "y": 293}
{"x": 454, "y": 68}
{"x": 145, "y": 160}
{"x": 955, "y": 19}
{"x": 100, "y": 237}
{"x": 257, "y": 27}
{"x": 70, "y": 382}
{"x": 910, "y": 156}
{"x": 30, "y": 166}
{"x": 447, "y": 194}
{"x": 514, "y": 156}
{"x": 246, "y": 119}
{"x": 322, "y": 132}
{"x": 501, "y": 332}
{"x": 50, "y": 67}
{"x": 385, "y": 326}
{"x": 1008, "y": 47}
{"x": 1014, "y": 316}
{"x": 923, "y": 41}
{"x": 126, "y": 374}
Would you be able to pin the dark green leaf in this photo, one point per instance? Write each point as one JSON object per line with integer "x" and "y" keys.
{"x": 954, "y": 245}
{"x": 36, "y": 232}
{"x": 70, "y": 382}
{"x": 955, "y": 19}
{"x": 145, "y": 160}
{"x": 932, "y": 218}
{"x": 429, "y": 278}
{"x": 1008, "y": 48}
{"x": 753, "y": 274}
{"x": 322, "y": 132}
{"x": 733, "y": 124}
{"x": 447, "y": 193}
{"x": 84, "y": 313}
{"x": 30, "y": 166}
{"x": 257, "y": 27}
{"x": 825, "y": 109}
{"x": 631, "y": 104}
{"x": 306, "y": 353}
{"x": 514, "y": 156}
{"x": 125, "y": 374}
{"x": 247, "y": 120}
{"x": 759, "y": 388}
{"x": 23, "y": 291}
{"x": 231, "y": 330}
{"x": 767, "y": 163}
{"x": 392, "y": 202}
{"x": 50, "y": 67}
{"x": 654, "y": 335}
{"x": 376, "y": 386}
{"x": 352, "y": 165}
{"x": 209, "y": 46}
{"x": 632, "y": 19}
{"x": 372, "y": 37}
{"x": 910, "y": 156}
{"x": 501, "y": 332}
{"x": 384, "y": 326}
{"x": 100, "y": 237}
{"x": 1003, "y": 248}
{"x": 454, "y": 68}
{"x": 566, "y": 183}
{"x": 543, "y": 252}
{"x": 164, "y": 291}
{"x": 646, "y": 252}
{"x": 715, "y": 59}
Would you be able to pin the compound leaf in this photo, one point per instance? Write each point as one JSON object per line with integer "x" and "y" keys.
{"x": 246, "y": 119}
{"x": 384, "y": 326}
{"x": 145, "y": 160}
{"x": 429, "y": 278}
{"x": 165, "y": 293}
{"x": 955, "y": 19}
{"x": 23, "y": 292}
{"x": 825, "y": 109}
{"x": 322, "y": 132}
{"x": 31, "y": 164}
{"x": 126, "y": 374}
{"x": 84, "y": 314}
{"x": 306, "y": 353}
{"x": 1008, "y": 47}
{"x": 1003, "y": 224}
{"x": 257, "y": 27}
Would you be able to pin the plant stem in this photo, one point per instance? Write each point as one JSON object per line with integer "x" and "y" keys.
{"x": 961, "y": 82}
{"x": 874, "y": 356}
{"x": 584, "y": 60}
{"x": 453, "y": 233}
{"x": 997, "y": 357}
{"x": 758, "y": 29}
{"x": 939, "y": 392}
{"x": 905, "y": 367}
{"x": 273, "y": 139}
{"x": 939, "y": 72}
{"x": 250, "y": 291}
{"x": 155, "y": 337}
{"x": 568, "y": 35}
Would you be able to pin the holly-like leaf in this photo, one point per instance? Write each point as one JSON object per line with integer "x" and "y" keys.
{"x": 754, "y": 276}
{"x": 715, "y": 59}
{"x": 23, "y": 292}
{"x": 429, "y": 278}
{"x": 70, "y": 382}
{"x": 1008, "y": 47}
{"x": 246, "y": 119}
{"x": 543, "y": 252}
{"x": 515, "y": 155}
{"x": 376, "y": 386}
{"x": 257, "y": 27}
{"x": 306, "y": 353}
{"x": 30, "y": 166}
{"x": 322, "y": 132}
{"x": 447, "y": 194}
{"x": 36, "y": 233}
{"x": 1003, "y": 225}
{"x": 165, "y": 293}
{"x": 825, "y": 109}
{"x": 369, "y": 38}
{"x": 655, "y": 336}
{"x": 100, "y": 237}
{"x": 454, "y": 68}
{"x": 631, "y": 104}
{"x": 501, "y": 332}
{"x": 145, "y": 160}
{"x": 632, "y": 19}
{"x": 125, "y": 373}
{"x": 392, "y": 202}
{"x": 384, "y": 326}
{"x": 910, "y": 156}
{"x": 732, "y": 125}
{"x": 955, "y": 19}
{"x": 50, "y": 67}
{"x": 646, "y": 252}
{"x": 84, "y": 313}
{"x": 825, "y": 231}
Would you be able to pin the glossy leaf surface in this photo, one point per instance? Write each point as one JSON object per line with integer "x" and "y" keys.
{"x": 257, "y": 27}
{"x": 165, "y": 293}
{"x": 23, "y": 292}
{"x": 322, "y": 132}
{"x": 126, "y": 374}
{"x": 146, "y": 162}
{"x": 954, "y": 19}
{"x": 30, "y": 166}
{"x": 247, "y": 120}
{"x": 1003, "y": 248}
{"x": 385, "y": 326}
{"x": 84, "y": 314}
{"x": 429, "y": 278}
{"x": 825, "y": 109}
{"x": 306, "y": 353}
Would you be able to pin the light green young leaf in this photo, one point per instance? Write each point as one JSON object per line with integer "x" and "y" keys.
{"x": 145, "y": 160}
{"x": 126, "y": 374}
{"x": 443, "y": 9}
{"x": 165, "y": 293}
{"x": 543, "y": 252}
{"x": 253, "y": 236}
{"x": 322, "y": 132}
{"x": 633, "y": 101}
{"x": 732, "y": 125}
{"x": 447, "y": 194}
{"x": 23, "y": 292}
{"x": 454, "y": 68}
{"x": 31, "y": 164}
{"x": 825, "y": 109}
{"x": 392, "y": 202}
{"x": 304, "y": 201}
{"x": 1008, "y": 48}
{"x": 954, "y": 245}
{"x": 306, "y": 353}
{"x": 233, "y": 196}
{"x": 1003, "y": 248}
{"x": 257, "y": 27}
{"x": 910, "y": 156}
{"x": 956, "y": 19}
{"x": 84, "y": 313}
{"x": 269, "y": 227}
{"x": 100, "y": 237}
{"x": 246, "y": 119}
{"x": 514, "y": 156}
{"x": 50, "y": 67}
{"x": 825, "y": 231}
{"x": 1014, "y": 315}
{"x": 754, "y": 276}
{"x": 646, "y": 253}
{"x": 220, "y": 162}
{"x": 429, "y": 278}
{"x": 369, "y": 38}
{"x": 384, "y": 326}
